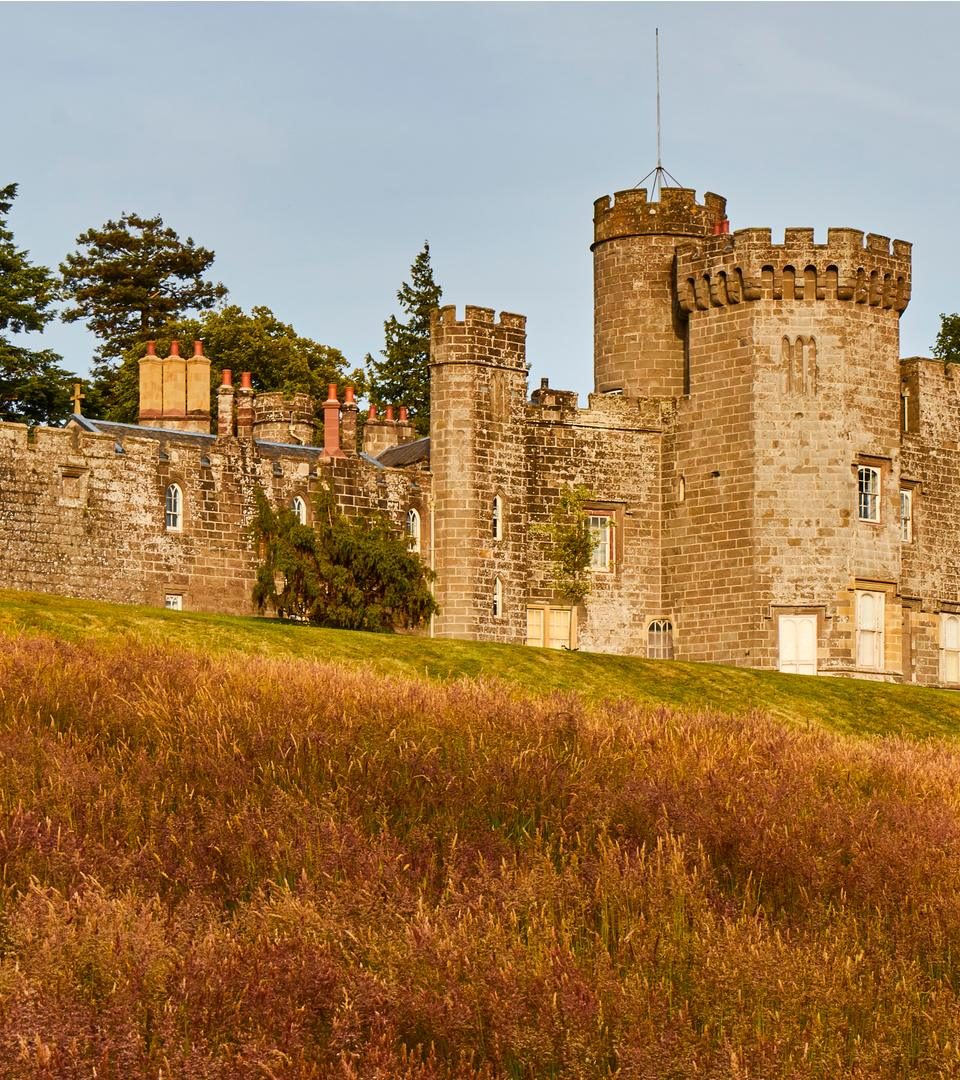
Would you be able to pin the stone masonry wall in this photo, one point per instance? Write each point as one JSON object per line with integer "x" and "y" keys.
{"x": 79, "y": 518}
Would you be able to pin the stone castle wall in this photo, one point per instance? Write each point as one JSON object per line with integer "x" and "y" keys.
{"x": 82, "y": 514}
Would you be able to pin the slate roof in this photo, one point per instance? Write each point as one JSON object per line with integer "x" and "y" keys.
{"x": 410, "y": 453}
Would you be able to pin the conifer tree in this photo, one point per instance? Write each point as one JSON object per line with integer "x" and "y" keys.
{"x": 402, "y": 377}
{"x": 33, "y": 388}
{"x": 947, "y": 345}
{"x": 127, "y": 280}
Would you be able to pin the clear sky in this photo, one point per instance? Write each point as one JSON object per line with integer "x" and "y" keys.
{"x": 315, "y": 146}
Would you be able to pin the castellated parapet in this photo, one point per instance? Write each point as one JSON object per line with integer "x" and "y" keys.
{"x": 747, "y": 265}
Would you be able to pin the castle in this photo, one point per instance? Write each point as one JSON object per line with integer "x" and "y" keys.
{"x": 772, "y": 485}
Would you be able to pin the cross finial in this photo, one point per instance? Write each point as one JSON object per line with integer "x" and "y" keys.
{"x": 77, "y": 398}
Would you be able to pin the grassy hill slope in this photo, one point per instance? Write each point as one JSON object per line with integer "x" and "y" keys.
{"x": 851, "y": 706}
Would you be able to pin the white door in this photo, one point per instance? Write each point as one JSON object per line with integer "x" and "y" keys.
{"x": 798, "y": 644}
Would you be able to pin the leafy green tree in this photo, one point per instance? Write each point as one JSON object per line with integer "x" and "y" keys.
{"x": 571, "y": 543}
{"x": 33, "y": 388}
{"x": 351, "y": 573}
{"x": 127, "y": 280}
{"x": 402, "y": 377}
{"x": 272, "y": 351}
{"x": 947, "y": 345}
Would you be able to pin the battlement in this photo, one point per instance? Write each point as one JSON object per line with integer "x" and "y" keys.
{"x": 478, "y": 337}
{"x": 747, "y": 265}
{"x": 475, "y": 316}
{"x": 677, "y": 213}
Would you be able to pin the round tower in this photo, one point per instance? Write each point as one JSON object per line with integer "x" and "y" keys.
{"x": 639, "y": 329}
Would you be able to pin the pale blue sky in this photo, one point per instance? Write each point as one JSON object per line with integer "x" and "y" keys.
{"x": 315, "y": 146}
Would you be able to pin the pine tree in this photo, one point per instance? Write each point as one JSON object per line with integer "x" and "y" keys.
{"x": 33, "y": 388}
{"x": 128, "y": 279}
{"x": 403, "y": 376}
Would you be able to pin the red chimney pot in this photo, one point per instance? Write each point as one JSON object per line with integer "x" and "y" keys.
{"x": 372, "y": 412}
{"x": 348, "y": 395}
{"x": 389, "y": 413}
{"x": 246, "y": 380}
{"x": 151, "y": 348}
{"x": 226, "y": 377}
{"x": 404, "y": 414}
{"x": 174, "y": 348}
{"x": 198, "y": 348}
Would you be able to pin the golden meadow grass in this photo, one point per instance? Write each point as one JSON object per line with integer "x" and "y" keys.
{"x": 240, "y": 866}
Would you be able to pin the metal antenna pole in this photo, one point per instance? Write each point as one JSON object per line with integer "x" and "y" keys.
{"x": 657, "y": 44}
{"x": 659, "y": 173}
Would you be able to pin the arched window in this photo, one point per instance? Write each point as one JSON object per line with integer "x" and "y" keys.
{"x": 497, "y": 598}
{"x": 496, "y": 518}
{"x": 173, "y": 506}
{"x": 413, "y": 529}
{"x": 299, "y": 507}
{"x": 660, "y": 640}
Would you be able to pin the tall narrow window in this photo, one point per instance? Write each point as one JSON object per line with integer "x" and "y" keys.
{"x": 660, "y": 640}
{"x": 173, "y": 505}
{"x": 559, "y": 628}
{"x": 870, "y": 630}
{"x": 906, "y": 516}
{"x": 299, "y": 507}
{"x": 497, "y": 598}
{"x": 413, "y": 529}
{"x": 601, "y": 532}
{"x": 496, "y": 518}
{"x": 868, "y": 493}
{"x": 950, "y": 648}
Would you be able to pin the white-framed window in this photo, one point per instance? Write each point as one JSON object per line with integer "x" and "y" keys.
{"x": 949, "y": 648}
{"x": 496, "y": 518}
{"x": 870, "y": 630}
{"x": 173, "y": 601}
{"x": 601, "y": 532}
{"x": 173, "y": 508}
{"x": 299, "y": 507}
{"x": 868, "y": 493}
{"x": 497, "y": 606}
{"x": 413, "y": 529}
{"x": 798, "y": 644}
{"x": 660, "y": 640}
{"x": 551, "y": 627}
{"x": 906, "y": 515}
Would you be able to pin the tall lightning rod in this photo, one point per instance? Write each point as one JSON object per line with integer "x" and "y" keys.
{"x": 658, "y": 172}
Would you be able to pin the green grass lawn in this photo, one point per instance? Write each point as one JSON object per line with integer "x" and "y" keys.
{"x": 845, "y": 705}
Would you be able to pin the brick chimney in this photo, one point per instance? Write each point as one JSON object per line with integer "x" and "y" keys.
{"x": 225, "y": 405}
{"x": 348, "y": 422}
{"x": 245, "y": 407}
{"x": 331, "y": 423}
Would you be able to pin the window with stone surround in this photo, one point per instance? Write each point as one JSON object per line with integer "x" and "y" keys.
{"x": 173, "y": 508}
{"x": 870, "y": 607}
{"x": 949, "y": 647}
{"x": 660, "y": 640}
{"x": 497, "y": 598}
{"x": 601, "y": 532}
{"x": 868, "y": 493}
{"x": 496, "y": 518}
{"x": 906, "y": 515}
{"x": 299, "y": 507}
{"x": 413, "y": 529}
{"x": 551, "y": 627}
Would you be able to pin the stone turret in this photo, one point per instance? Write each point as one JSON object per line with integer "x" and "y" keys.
{"x": 639, "y": 330}
{"x": 478, "y": 384}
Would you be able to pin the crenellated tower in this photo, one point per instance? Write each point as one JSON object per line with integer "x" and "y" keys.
{"x": 793, "y": 386}
{"x": 639, "y": 329}
{"x": 478, "y": 386}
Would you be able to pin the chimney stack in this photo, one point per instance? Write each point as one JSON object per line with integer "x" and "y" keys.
{"x": 245, "y": 407}
{"x": 225, "y": 405}
{"x": 349, "y": 422}
{"x": 331, "y": 423}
